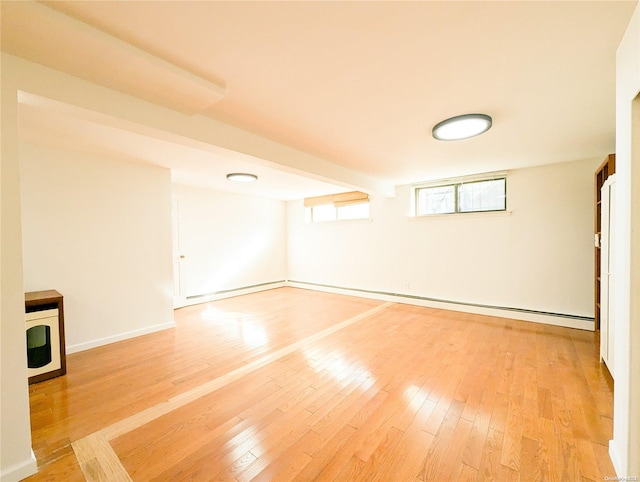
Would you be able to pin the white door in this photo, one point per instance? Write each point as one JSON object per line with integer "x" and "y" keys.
{"x": 606, "y": 273}
{"x": 179, "y": 299}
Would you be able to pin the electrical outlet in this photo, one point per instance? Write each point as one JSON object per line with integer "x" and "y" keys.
{"x": 406, "y": 285}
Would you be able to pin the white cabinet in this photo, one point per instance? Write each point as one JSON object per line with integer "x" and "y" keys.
{"x": 607, "y": 278}
{"x": 43, "y": 340}
{"x": 44, "y": 316}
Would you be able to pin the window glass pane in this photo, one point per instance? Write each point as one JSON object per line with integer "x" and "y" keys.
{"x": 482, "y": 196}
{"x": 354, "y": 211}
{"x": 436, "y": 200}
{"x": 325, "y": 212}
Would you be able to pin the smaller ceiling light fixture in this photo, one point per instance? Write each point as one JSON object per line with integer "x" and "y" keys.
{"x": 241, "y": 177}
{"x": 461, "y": 127}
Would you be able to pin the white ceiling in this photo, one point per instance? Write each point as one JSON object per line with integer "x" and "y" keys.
{"x": 42, "y": 122}
{"x": 359, "y": 84}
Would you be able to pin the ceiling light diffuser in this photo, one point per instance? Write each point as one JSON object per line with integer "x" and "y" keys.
{"x": 461, "y": 127}
{"x": 241, "y": 177}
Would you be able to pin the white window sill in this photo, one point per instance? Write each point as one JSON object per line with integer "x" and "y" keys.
{"x": 340, "y": 222}
{"x": 487, "y": 214}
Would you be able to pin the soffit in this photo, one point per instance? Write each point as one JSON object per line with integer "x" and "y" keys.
{"x": 362, "y": 83}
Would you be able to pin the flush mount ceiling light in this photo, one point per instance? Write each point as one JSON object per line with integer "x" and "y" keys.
{"x": 241, "y": 177}
{"x": 461, "y": 127}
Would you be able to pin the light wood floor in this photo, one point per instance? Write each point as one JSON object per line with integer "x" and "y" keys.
{"x": 291, "y": 384}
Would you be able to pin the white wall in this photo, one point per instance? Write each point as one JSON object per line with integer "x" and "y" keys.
{"x": 16, "y": 458}
{"x": 625, "y": 446}
{"x": 98, "y": 231}
{"x": 229, "y": 241}
{"x": 633, "y": 425}
{"x": 539, "y": 257}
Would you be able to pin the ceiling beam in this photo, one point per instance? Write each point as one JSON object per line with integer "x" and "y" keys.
{"x": 53, "y": 89}
{"x": 89, "y": 53}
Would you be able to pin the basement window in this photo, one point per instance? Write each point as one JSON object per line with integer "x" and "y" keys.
{"x": 322, "y": 213}
{"x": 337, "y": 207}
{"x": 464, "y": 195}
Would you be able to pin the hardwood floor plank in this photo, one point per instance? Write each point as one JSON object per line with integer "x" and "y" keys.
{"x": 291, "y": 384}
{"x": 414, "y": 398}
{"x": 98, "y": 461}
{"x": 588, "y": 466}
{"x": 499, "y": 412}
{"x": 453, "y": 457}
{"x": 490, "y": 462}
{"x": 237, "y": 466}
{"x": 530, "y": 419}
{"x": 274, "y": 439}
{"x": 351, "y": 470}
{"x": 529, "y": 460}
{"x": 65, "y": 467}
{"x": 369, "y": 432}
{"x": 192, "y": 419}
{"x": 464, "y": 473}
{"x": 602, "y": 459}
{"x": 473, "y": 449}
{"x": 412, "y": 450}
{"x": 511, "y": 445}
{"x": 350, "y": 410}
{"x": 326, "y": 450}
{"x": 548, "y": 452}
{"x": 284, "y": 471}
{"x": 435, "y": 466}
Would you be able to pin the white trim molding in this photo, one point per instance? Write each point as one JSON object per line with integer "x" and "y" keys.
{"x": 616, "y": 459}
{"x": 244, "y": 290}
{"x": 119, "y": 337}
{"x": 555, "y": 319}
{"x": 21, "y": 470}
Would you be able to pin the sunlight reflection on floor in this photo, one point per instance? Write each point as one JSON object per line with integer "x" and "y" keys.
{"x": 236, "y": 325}
{"x": 340, "y": 369}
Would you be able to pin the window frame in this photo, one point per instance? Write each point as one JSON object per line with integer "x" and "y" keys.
{"x": 310, "y": 219}
{"x": 456, "y": 183}
{"x": 345, "y": 207}
{"x": 338, "y": 201}
{"x": 446, "y": 184}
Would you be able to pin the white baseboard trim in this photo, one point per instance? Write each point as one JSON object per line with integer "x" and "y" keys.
{"x": 516, "y": 314}
{"x": 219, "y": 295}
{"x": 20, "y": 471}
{"x": 119, "y": 337}
{"x": 616, "y": 459}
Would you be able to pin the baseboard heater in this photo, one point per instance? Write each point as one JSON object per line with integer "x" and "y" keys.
{"x": 436, "y": 300}
{"x": 223, "y": 292}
